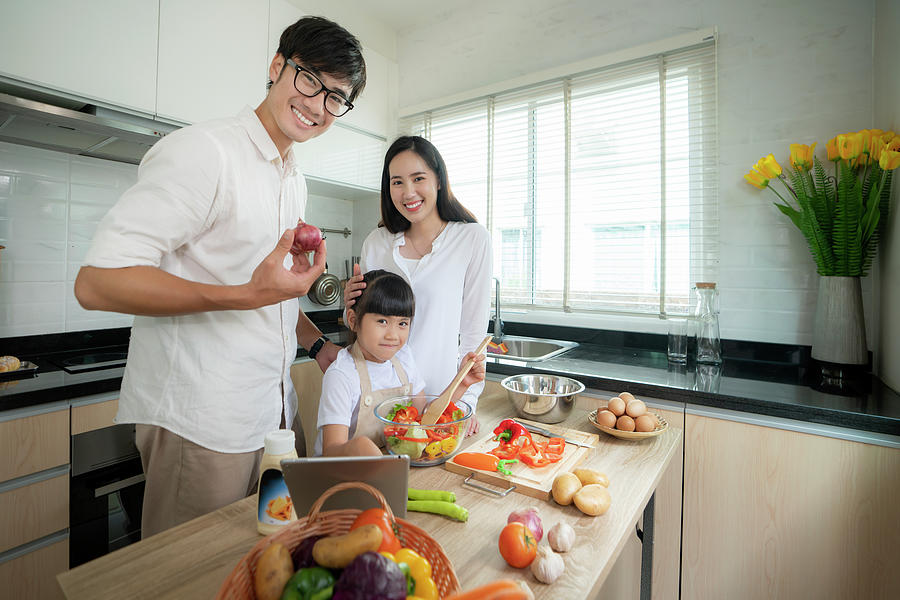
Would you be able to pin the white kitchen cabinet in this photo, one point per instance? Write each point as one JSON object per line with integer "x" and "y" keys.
{"x": 100, "y": 50}
{"x": 345, "y": 156}
{"x": 375, "y": 109}
{"x": 212, "y": 58}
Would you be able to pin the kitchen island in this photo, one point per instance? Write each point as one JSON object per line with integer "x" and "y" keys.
{"x": 192, "y": 560}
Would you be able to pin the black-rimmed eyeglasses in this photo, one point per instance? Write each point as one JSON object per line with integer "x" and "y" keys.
{"x": 309, "y": 85}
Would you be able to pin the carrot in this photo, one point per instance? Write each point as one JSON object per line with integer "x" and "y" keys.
{"x": 507, "y": 589}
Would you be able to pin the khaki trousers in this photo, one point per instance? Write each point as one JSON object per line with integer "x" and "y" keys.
{"x": 186, "y": 480}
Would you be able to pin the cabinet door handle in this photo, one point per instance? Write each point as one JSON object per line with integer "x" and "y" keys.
{"x": 118, "y": 485}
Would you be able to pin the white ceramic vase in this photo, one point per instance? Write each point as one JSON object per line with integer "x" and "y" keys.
{"x": 839, "y": 328}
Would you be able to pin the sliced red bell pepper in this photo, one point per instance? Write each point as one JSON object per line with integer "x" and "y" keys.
{"x": 531, "y": 456}
{"x": 506, "y": 451}
{"x": 554, "y": 448}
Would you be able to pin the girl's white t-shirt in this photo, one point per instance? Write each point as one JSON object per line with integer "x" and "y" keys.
{"x": 341, "y": 389}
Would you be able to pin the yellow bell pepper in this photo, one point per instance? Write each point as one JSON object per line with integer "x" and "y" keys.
{"x": 420, "y": 569}
{"x": 433, "y": 450}
{"x": 448, "y": 444}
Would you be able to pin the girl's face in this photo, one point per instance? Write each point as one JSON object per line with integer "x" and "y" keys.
{"x": 379, "y": 337}
{"x": 414, "y": 187}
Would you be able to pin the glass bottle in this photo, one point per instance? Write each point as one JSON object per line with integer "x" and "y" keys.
{"x": 709, "y": 345}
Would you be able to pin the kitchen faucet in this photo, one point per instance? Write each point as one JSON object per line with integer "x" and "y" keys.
{"x": 498, "y": 323}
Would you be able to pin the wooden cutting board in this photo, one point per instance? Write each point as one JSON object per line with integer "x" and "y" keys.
{"x": 531, "y": 482}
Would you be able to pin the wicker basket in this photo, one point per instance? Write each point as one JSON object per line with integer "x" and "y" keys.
{"x": 239, "y": 583}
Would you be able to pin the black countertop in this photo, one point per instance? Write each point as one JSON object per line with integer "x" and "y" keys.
{"x": 745, "y": 382}
{"x": 753, "y": 386}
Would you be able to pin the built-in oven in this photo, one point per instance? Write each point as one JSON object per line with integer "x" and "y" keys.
{"x": 106, "y": 493}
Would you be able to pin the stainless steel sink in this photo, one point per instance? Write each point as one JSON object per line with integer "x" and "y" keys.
{"x": 528, "y": 349}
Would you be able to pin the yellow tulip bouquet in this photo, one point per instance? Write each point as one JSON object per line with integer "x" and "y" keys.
{"x": 842, "y": 216}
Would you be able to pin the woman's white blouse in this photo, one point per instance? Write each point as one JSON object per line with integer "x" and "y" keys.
{"x": 452, "y": 286}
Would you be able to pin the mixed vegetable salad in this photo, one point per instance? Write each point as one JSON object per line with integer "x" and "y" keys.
{"x": 423, "y": 442}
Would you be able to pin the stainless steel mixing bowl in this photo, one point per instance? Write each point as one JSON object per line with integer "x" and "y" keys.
{"x": 543, "y": 398}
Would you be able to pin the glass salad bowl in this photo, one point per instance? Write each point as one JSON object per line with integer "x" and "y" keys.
{"x": 426, "y": 445}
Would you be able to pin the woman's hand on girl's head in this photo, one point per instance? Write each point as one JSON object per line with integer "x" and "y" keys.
{"x": 354, "y": 287}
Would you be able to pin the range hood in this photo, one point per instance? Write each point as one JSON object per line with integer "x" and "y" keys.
{"x": 70, "y": 126}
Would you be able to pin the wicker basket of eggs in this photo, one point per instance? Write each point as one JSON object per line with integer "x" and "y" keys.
{"x": 624, "y": 416}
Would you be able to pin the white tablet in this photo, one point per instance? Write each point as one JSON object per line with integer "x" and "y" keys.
{"x": 307, "y": 478}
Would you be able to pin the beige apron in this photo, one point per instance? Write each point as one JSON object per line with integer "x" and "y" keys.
{"x": 367, "y": 424}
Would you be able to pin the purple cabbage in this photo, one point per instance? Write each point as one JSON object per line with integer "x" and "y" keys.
{"x": 371, "y": 576}
{"x": 302, "y": 556}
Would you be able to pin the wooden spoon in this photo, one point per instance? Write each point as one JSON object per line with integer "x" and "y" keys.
{"x": 437, "y": 408}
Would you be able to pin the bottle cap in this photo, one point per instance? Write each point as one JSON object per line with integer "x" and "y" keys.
{"x": 706, "y": 285}
{"x": 280, "y": 442}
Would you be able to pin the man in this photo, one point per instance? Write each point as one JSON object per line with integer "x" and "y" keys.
{"x": 189, "y": 251}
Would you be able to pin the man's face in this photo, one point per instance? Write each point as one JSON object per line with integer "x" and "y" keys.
{"x": 288, "y": 115}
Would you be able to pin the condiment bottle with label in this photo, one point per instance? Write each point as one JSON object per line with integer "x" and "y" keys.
{"x": 274, "y": 507}
{"x": 709, "y": 344}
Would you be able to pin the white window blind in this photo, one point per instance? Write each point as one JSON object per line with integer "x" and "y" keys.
{"x": 599, "y": 189}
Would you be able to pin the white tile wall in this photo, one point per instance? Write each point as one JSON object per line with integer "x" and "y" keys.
{"x": 50, "y": 205}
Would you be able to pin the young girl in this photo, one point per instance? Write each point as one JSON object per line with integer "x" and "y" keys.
{"x": 376, "y": 366}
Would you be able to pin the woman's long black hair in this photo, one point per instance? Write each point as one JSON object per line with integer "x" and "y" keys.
{"x": 449, "y": 208}
{"x": 385, "y": 294}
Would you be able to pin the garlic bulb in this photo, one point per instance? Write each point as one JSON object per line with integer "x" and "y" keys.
{"x": 547, "y": 566}
{"x": 561, "y": 537}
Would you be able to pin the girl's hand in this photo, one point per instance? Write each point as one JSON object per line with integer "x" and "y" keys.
{"x": 474, "y": 426}
{"x": 354, "y": 287}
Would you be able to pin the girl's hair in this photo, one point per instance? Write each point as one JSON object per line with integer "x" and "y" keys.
{"x": 385, "y": 294}
{"x": 449, "y": 208}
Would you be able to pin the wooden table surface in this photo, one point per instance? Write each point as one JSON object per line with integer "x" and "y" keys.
{"x": 192, "y": 560}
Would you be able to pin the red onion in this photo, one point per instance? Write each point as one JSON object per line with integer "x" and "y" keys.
{"x": 530, "y": 519}
{"x": 306, "y": 238}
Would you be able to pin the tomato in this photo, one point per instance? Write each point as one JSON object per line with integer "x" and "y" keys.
{"x": 377, "y": 516}
{"x": 517, "y": 545}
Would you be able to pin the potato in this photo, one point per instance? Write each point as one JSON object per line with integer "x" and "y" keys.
{"x": 593, "y": 499}
{"x": 338, "y": 551}
{"x": 589, "y": 476}
{"x": 273, "y": 569}
{"x": 564, "y": 487}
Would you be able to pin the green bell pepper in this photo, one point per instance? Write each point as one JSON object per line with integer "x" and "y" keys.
{"x": 312, "y": 583}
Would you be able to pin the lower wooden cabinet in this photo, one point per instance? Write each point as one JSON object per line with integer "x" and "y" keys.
{"x": 33, "y": 443}
{"x": 33, "y": 511}
{"x": 32, "y": 576}
{"x": 770, "y": 513}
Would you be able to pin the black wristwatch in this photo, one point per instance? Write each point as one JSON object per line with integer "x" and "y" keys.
{"x": 317, "y": 345}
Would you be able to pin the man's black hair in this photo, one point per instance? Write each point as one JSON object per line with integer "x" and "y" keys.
{"x": 323, "y": 46}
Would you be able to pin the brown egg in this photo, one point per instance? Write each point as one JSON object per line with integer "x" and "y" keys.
{"x": 645, "y": 423}
{"x": 606, "y": 418}
{"x": 635, "y": 408}
{"x": 626, "y": 396}
{"x": 625, "y": 423}
{"x": 616, "y": 406}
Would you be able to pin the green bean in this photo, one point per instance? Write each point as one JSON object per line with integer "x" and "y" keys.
{"x": 439, "y": 507}
{"x": 414, "y": 494}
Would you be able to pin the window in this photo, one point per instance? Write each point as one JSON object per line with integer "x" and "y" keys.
{"x": 599, "y": 189}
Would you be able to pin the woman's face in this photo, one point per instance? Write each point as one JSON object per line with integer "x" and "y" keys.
{"x": 379, "y": 337}
{"x": 414, "y": 187}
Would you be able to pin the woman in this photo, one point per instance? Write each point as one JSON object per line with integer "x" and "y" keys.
{"x": 438, "y": 246}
